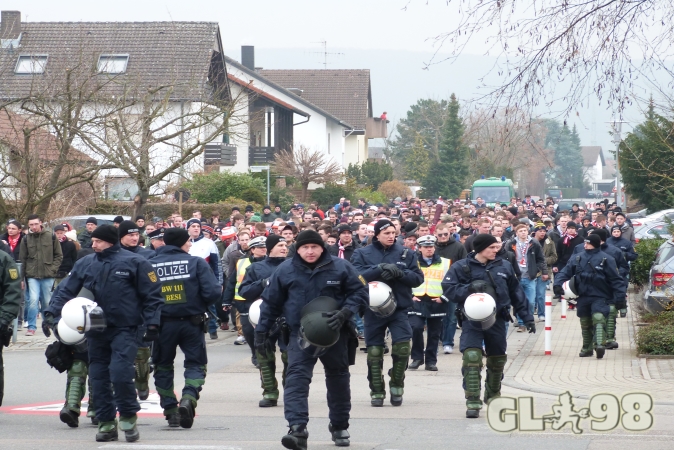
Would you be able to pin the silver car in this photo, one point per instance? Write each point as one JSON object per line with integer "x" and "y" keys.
{"x": 659, "y": 295}
{"x": 652, "y": 230}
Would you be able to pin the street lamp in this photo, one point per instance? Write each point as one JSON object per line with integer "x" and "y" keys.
{"x": 616, "y": 127}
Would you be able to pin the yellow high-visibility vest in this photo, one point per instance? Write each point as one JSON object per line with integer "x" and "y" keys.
{"x": 433, "y": 276}
{"x": 241, "y": 267}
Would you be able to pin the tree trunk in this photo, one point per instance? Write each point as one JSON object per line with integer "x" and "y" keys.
{"x": 305, "y": 189}
{"x": 140, "y": 201}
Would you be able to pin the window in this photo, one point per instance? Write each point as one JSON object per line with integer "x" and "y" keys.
{"x": 112, "y": 63}
{"x": 31, "y": 64}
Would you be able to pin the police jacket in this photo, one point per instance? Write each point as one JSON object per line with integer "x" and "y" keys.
{"x": 295, "y": 283}
{"x": 535, "y": 260}
{"x": 10, "y": 289}
{"x": 451, "y": 250}
{"x": 596, "y": 276}
{"x": 626, "y": 246}
{"x": 231, "y": 295}
{"x": 366, "y": 260}
{"x": 615, "y": 253}
{"x": 257, "y": 276}
{"x": 188, "y": 286}
{"x": 431, "y": 288}
{"x": 348, "y": 250}
{"x": 498, "y": 273}
{"x": 507, "y": 255}
{"x": 140, "y": 251}
{"x": 124, "y": 285}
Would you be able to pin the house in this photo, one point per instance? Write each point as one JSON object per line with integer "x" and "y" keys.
{"x": 170, "y": 72}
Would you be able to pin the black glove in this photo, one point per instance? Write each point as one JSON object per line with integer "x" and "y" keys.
{"x": 458, "y": 312}
{"x": 47, "y": 323}
{"x": 558, "y": 290}
{"x": 390, "y": 271}
{"x": 621, "y": 304}
{"x": 152, "y": 333}
{"x": 338, "y": 318}
{"x": 531, "y": 327}
{"x": 478, "y": 286}
{"x": 261, "y": 342}
{"x": 4, "y": 328}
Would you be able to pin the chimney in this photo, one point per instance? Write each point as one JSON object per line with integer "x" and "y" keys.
{"x": 248, "y": 56}
{"x": 10, "y": 24}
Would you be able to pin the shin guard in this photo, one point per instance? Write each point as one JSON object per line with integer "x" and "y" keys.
{"x": 472, "y": 379}
{"x": 400, "y": 353}
{"x": 492, "y": 383}
{"x": 375, "y": 365}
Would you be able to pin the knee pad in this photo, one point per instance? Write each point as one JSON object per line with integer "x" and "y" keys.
{"x": 472, "y": 357}
{"x": 375, "y": 352}
{"x": 401, "y": 349}
{"x": 598, "y": 318}
{"x": 78, "y": 369}
{"x": 143, "y": 353}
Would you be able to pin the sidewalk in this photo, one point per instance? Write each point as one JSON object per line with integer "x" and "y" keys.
{"x": 618, "y": 372}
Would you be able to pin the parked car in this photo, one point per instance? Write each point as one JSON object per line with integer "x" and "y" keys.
{"x": 654, "y": 217}
{"x": 556, "y": 194}
{"x": 594, "y": 194}
{"x": 659, "y": 295}
{"x": 78, "y": 222}
{"x": 565, "y": 205}
{"x": 651, "y": 230}
{"x": 637, "y": 215}
{"x": 605, "y": 194}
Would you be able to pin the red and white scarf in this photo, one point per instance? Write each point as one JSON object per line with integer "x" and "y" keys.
{"x": 13, "y": 241}
{"x": 340, "y": 254}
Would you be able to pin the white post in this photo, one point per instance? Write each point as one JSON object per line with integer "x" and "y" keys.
{"x": 563, "y": 308}
{"x": 548, "y": 326}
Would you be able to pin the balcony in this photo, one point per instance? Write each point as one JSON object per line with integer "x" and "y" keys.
{"x": 375, "y": 127}
{"x": 219, "y": 155}
{"x": 260, "y": 155}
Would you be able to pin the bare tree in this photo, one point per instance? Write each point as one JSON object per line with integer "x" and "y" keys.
{"x": 599, "y": 48}
{"x": 307, "y": 166}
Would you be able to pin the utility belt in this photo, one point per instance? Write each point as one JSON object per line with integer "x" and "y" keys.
{"x": 196, "y": 320}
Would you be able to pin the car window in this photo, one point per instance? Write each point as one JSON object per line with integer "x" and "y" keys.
{"x": 658, "y": 229}
{"x": 664, "y": 254}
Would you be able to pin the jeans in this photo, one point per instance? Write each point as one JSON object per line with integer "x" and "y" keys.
{"x": 449, "y": 325}
{"x": 360, "y": 326}
{"x": 40, "y": 289}
{"x": 529, "y": 287}
{"x": 540, "y": 296}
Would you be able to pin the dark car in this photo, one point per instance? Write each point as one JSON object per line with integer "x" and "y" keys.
{"x": 565, "y": 205}
{"x": 659, "y": 295}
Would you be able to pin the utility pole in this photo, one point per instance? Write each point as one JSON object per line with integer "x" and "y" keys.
{"x": 325, "y": 53}
{"x": 616, "y": 128}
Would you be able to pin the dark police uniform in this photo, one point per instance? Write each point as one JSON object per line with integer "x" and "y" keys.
{"x": 142, "y": 362}
{"x": 251, "y": 288}
{"x": 366, "y": 260}
{"x": 457, "y": 286}
{"x": 291, "y": 287}
{"x": 10, "y": 300}
{"x": 126, "y": 287}
{"x": 599, "y": 286}
{"x": 188, "y": 288}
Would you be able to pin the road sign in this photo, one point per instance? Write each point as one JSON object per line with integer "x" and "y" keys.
{"x": 258, "y": 168}
{"x": 186, "y": 194}
{"x": 614, "y": 189}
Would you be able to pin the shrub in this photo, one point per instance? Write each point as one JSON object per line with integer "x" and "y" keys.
{"x": 164, "y": 210}
{"x": 283, "y": 197}
{"x": 217, "y": 186}
{"x": 656, "y": 338}
{"x": 371, "y": 196}
{"x": 253, "y": 195}
{"x": 330, "y": 194}
{"x": 395, "y": 188}
{"x": 639, "y": 269}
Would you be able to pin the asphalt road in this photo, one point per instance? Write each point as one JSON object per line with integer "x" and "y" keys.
{"x": 432, "y": 416}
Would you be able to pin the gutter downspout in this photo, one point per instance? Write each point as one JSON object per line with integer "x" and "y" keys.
{"x": 304, "y": 121}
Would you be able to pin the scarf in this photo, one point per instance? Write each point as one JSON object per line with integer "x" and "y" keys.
{"x": 13, "y": 241}
{"x": 340, "y": 254}
{"x": 63, "y": 238}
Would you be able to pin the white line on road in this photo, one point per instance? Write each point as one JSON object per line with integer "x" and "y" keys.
{"x": 171, "y": 447}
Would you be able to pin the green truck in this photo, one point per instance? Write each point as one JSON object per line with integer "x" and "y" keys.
{"x": 493, "y": 190}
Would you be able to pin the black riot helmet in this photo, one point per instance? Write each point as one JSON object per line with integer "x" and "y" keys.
{"x": 315, "y": 336}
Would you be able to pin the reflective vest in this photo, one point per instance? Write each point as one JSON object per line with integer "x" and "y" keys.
{"x": 241, "y": 267}
{"x": 433, "y": 276}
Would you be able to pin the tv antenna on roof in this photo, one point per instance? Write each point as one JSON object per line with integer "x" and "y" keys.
{"x": 325, "y": 52}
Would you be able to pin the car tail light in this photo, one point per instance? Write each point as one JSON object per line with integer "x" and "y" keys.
{"x": 660, "y": 279}
{"x": 636, "y": 240}
{"x": 636, "y": 223}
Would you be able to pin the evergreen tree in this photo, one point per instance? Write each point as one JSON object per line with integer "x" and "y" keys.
{"x": 565, "y": 143}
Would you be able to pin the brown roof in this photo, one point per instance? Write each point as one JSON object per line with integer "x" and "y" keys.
{"x": 344, "y": 93}
{"x": 608, "y": 171}
{"x": 160, "y": 53}
{"x": 590, "y": 155}
{"x": 41, "y": 141}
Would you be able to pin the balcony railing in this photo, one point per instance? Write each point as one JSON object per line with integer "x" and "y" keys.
{"x": 375, "y": 127}
{"x": 260, "y": 155}
{"x": 220, "y": 155}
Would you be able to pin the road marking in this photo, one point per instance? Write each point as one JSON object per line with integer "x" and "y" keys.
{"x": 149, "y": 407}
{"x": 171, "y": 447}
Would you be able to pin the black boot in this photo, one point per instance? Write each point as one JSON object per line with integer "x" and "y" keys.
{"x": 70, "y": 418}
{"x": 414, "y": 365}
{"x": 296, "y": 439}
{"x": 186, "y": 410}
{"x": 340, "y": 436}
{"x": 173, "y": 420}
{"x": 267, "y": 403}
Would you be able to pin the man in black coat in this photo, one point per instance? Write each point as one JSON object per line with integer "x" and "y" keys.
{"x": 69, "y": 250}
{"x": 345, "y": 246}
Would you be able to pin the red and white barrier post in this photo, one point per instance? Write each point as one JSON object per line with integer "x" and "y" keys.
{"x": 548, "y": 325}
{"x": 564, "y": 308}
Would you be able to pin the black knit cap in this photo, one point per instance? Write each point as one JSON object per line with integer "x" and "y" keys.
{"x": 92, "y": 220}
{"x": 410, "y": 227}
{"x": 482, "y": 241}
{"x": 308, "y": 237}
{"x": 176, "y": 236}
{"x": 344, "y": 228}
{"x": 594, "y": 240}
{"x": 272, "y": 240}
{"x": 107, "y": 233}
{"x": 118, "y": 219}
{"x": 382, "y": 225}
{"x": 127, "y": 227}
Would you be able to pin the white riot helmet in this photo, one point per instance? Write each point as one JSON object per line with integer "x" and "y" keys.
{"x": 382, "y": 300}
{"x": 81, "y": 314}
{"x": 569, "y": 290}
{"x": 69, "y": 336}
{"x": 254, "y": 312}
{"x": 480, "y": 307}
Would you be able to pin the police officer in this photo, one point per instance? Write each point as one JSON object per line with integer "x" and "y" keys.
{"x": 598, "y": 286}
{"x": 256, "y": 279}
{"x": 484, "y": 271}
{"x": 127, "y": 289}
{"x": 429, "y": 307}
{"x": 312, "y": 273}
{"x": 10, "y": 301}
{"x": 129, "y": 238}
{"x": 156, "y": 238}
{"x": 258, "y": 251}
{"x": 188, "y": 288}
{"x": 386, "y": 260}
{"x": 617, "y": 239}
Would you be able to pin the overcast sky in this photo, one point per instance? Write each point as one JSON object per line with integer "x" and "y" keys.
{"x": 392, "y": 38}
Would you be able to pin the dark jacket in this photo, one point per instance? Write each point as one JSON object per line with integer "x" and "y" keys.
{"x": 426, "y": 307}
{"x": 69, "y": 250}
{"x": 10, "y": 289}
{"x": 140, "y": 251}
{"x": 41, "y": 255}
{"x": 366, "y": 260}
{"x": 348, "y": 250}
{"x": 507, "y": 255}
{"x": 84, "y": 238}
{"x": 626, "y": 246}
{"x": 614, "y": 252}
{"x": 257, "y": 276}
{"x": 456, "y": 284}
{"x": 596, "y": 276}
{"x": 14, "y": 254}
{"x": 451, "y": 250}
{"x": 564, "y": 252}
{"x": 535, "y": 260}
{"x": 188, "y": 284}
{"x": 124, "y": 285}
{"x": 268, "y": 217}
{"x": 294, "y": 284}
{"x": 549, "y": 251}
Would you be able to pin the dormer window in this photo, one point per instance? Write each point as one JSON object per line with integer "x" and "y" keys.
{"x": 31, "y": 64}
{"x": 112, "y": 64}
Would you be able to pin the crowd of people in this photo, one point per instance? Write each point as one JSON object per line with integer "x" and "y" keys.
{"x": 425, "y": 256}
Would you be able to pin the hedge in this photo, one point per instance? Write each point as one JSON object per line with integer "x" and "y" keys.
{"x": 640, "y": 269}
{"x": 165, "y": 210}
